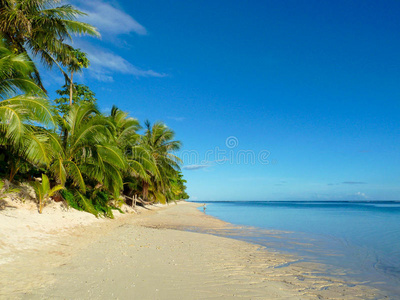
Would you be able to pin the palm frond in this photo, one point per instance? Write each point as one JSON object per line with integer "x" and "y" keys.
{"x": 58, "y": 170}
{"x": 39, "y": 109}
{"x": 37, "y": 149}
{"x": 76, "y": 175}
{"x": 81, "y": 28}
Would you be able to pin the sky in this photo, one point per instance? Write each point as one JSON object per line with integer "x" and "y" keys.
{"x": 272, "y": 100}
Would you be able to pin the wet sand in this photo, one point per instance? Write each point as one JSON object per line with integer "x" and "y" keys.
{"x": 151, "y": 255}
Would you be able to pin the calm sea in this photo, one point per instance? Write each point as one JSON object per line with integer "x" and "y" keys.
{"x": 360, "y": 238}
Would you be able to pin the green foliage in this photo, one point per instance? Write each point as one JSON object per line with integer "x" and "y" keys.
{"x": 78, "y": 61}
{"x": 87, "y": 152}
{"x": 78, "y": 201}
{"x": 179, "y": 187}
{"x": 96, "y": 157}
{"x": 159, "y": 141}
{"x": 184, "y": 196}
{"x": 100, "y": 203}
{"x": 44, "y": 191}
{"x": 85, "y": 203}
{"x": 22, "y": 141}
{"x": 44, "y": 28}
{"x": 95, "y": 202}
{"x": 81, "y": 94}
{"x": 68, "y": 197}
{"x": 14, "y": 73}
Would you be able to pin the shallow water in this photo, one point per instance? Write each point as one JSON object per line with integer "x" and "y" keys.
{"x": 360, "y": 240}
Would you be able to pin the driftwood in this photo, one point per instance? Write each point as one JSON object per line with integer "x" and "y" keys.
{"x": 136, "y": 199}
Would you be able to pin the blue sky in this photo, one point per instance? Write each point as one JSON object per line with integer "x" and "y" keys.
{"x": 273, "y": 100}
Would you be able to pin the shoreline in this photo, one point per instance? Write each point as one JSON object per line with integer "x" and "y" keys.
{"x": 153, "y": 255}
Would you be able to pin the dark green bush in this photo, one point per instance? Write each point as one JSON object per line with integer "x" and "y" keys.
{"x": 94, "y": 202}
{"x": 100, "y": 203}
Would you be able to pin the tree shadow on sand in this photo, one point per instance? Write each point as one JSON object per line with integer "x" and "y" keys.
{"x": 4, "y": 204}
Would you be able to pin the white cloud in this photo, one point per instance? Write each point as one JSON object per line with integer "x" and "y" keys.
{"x": 111, "y": 22}
{"x": 195, "y": 167}
{"x": 104, "y": 63}
{"x": 100, "y": 76}
{"x": 109, "y": 19}
{"x": 178, "y": 119}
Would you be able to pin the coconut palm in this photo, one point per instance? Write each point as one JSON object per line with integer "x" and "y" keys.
{"x": 86, "y": 153}
{"x": 159, "y": 142}
{"x": 140, "y": 161}
{"x": 14, "y": 73}
{"x": 42, "y": 28}
{"x": 21, "y": 140}
{"x": 125, "y": 129}
{"x": 19, "y": 110}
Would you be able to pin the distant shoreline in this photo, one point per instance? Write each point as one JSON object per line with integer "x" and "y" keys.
{"x": 300, "y": 201}
{"x": 145, "y": 256}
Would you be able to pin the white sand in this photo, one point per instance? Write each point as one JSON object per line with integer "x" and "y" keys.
{"x": 73, "y": 255}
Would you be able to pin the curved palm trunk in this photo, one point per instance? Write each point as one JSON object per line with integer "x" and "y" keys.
{"x": 71, "y": 85}
{"x": 18, "y": 45}
{"x": 145, "y": 191}
{"x": 14, "y": 170}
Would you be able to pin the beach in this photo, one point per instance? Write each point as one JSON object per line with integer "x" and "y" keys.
{"x": 199, "y": 150}
{"x": 159, "y": 252}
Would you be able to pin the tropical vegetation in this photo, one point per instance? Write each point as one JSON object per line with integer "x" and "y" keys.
{"x": 66, "y": 147}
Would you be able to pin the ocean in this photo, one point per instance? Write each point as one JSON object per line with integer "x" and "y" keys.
{"x": 358, "y": 240}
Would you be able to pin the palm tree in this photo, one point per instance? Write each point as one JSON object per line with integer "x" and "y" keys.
{"x": 125, "y": 129}
{"x": 20, "y": 137}
{"x": 44, "y": 29}
{"x": 14, "y": 73}
{"x": 159, "y": 142}
{"x": 20, "y": 140}
{"x": 86, "y": 153}
{"x": 140, "y": 162}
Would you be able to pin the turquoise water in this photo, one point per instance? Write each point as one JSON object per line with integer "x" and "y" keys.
{"x": 361, "y": 239}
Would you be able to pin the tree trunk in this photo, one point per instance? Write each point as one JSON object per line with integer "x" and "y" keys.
{"x": 14, "y": 170}
{"x": 65, "y": 138}
{"x": 134, "y": 200}
{"x": 145, "y": 190}
{"x": 71, "y": 85}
